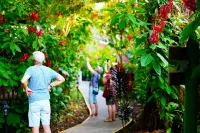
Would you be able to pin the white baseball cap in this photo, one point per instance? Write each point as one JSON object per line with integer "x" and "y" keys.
{"x": 100, "y": 69}
{"x": 38, "y": 56}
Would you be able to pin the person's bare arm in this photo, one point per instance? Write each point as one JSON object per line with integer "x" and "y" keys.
{"x": 24, "y": 85}
{"x": 60, "y": 79}
{"x": 89, "y": 66}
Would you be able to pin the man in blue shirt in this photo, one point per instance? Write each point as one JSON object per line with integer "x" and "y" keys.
{"x": 93, "y": 86}
{"x": 39, "y": 80}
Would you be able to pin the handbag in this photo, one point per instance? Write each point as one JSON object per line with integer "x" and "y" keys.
{"x": 105, "y": 93}
{"x": 95, "y": 92}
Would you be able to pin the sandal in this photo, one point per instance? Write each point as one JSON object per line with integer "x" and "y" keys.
{"x": 108, "y": 120}
{"x": 96, "y": 114}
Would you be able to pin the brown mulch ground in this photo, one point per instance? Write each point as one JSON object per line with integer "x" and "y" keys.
{"x": 76, "y": 113}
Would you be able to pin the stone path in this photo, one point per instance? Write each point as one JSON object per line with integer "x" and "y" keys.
{"x": 95, "y": 124}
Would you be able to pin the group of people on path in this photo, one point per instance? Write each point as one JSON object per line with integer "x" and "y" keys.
{"x": 109, "y": 91}
{"x": 39, "y": 79}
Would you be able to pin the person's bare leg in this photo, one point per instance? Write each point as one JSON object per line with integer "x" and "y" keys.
{"x": 96, "y": 109}
{"x": 35, "y": 129}
{"x": 109, "y": 119}
{"x": 92, "y": 109}
{"x": 47, "y": 129}
{"x": 113, "y": 112}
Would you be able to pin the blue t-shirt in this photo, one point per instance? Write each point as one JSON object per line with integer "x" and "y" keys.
{"x": 95, "y": 79}
{"x": 40, "y": 78}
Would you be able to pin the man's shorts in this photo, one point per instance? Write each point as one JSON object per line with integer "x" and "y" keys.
{"x": 92, "y": 97}
{"x": 39, "y": 110}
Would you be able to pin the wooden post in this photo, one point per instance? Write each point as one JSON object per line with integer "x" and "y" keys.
{"x": 191, "y": 88}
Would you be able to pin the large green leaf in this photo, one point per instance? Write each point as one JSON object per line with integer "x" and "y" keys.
{"x": 168, "y": 89}
{"x": 163, "y": 59}
{"x": 169, "y": 130}
{"x": 132, "y": 18}
{"x": 163, "y": 100}
{"x": 146, "y": 59}
{"x": 120, "y": 4}
{"x": 189, "y": 29}
{"x": 122, "y": 24}
{"x": 156, "y": 67}
{"x": 13, "y": 119}
{"x": 115, "y": 19}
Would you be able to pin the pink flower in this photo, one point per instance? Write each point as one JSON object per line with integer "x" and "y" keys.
{"x": 39, "y": 33}
{"x": 190, "y": 4}
{"x": 121, "y": 37}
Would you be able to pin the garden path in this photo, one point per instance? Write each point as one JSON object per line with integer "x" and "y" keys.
{"x": 95, "y": 124}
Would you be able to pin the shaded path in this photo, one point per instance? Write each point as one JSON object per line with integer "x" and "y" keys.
{"x": 95, "y": 124}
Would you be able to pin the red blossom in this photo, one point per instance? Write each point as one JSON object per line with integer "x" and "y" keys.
{"x": 21, "y": 59}
{"x": 45, "y": 55}
{"x": 190, "y": 4}
{"x": 154, "y": 38}
{"x": 31, "y": 30}
{"x": 64, "y": 75}
{"x": 59, "y": 14}
{"x": 59, "y": 32}
{"x": 1, "y": 19}
{"x": 94, "y": 15}
{"x": 130, "y": 37}
{"x": 26, "y": 56}
{"x": 163, "y": 13}
{"x": 34, "y": 16}
{"x": 48, "y": 63}
{"x": 39, "y": 33}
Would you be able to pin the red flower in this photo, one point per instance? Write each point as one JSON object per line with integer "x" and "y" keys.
{"x": 21, "y": 59}
{"x": 59, "y": 32}
{"x": 154, "y": 38}
{"x": 31, "y": 30}
{"x": 190, "y": 4}
{"x": 26, "y": 56}
{"x": 1, "y": 19}
{"x": 94, "y": 15}
{"x": 130, "y": 37}
{"x": 39, "y": 33}
{"x": 34, "y": 16}
{"x": 59, "y": 14}
{"x": 45, "y": 55}
{"x": 48, "y": 63}
{"x": 64, "y": 75}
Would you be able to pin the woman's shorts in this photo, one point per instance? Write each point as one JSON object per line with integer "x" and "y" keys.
{"x": 110, "y": 100}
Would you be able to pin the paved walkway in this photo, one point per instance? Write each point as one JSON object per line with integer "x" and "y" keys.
{"x": 95, "y": 124}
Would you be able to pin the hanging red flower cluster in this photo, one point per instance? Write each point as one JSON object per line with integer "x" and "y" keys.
{"x": 25, "y": 57}
{"x": 159, "y": 27}
{"x": 34, "y": 16}
{"x": 190, "y": 4}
